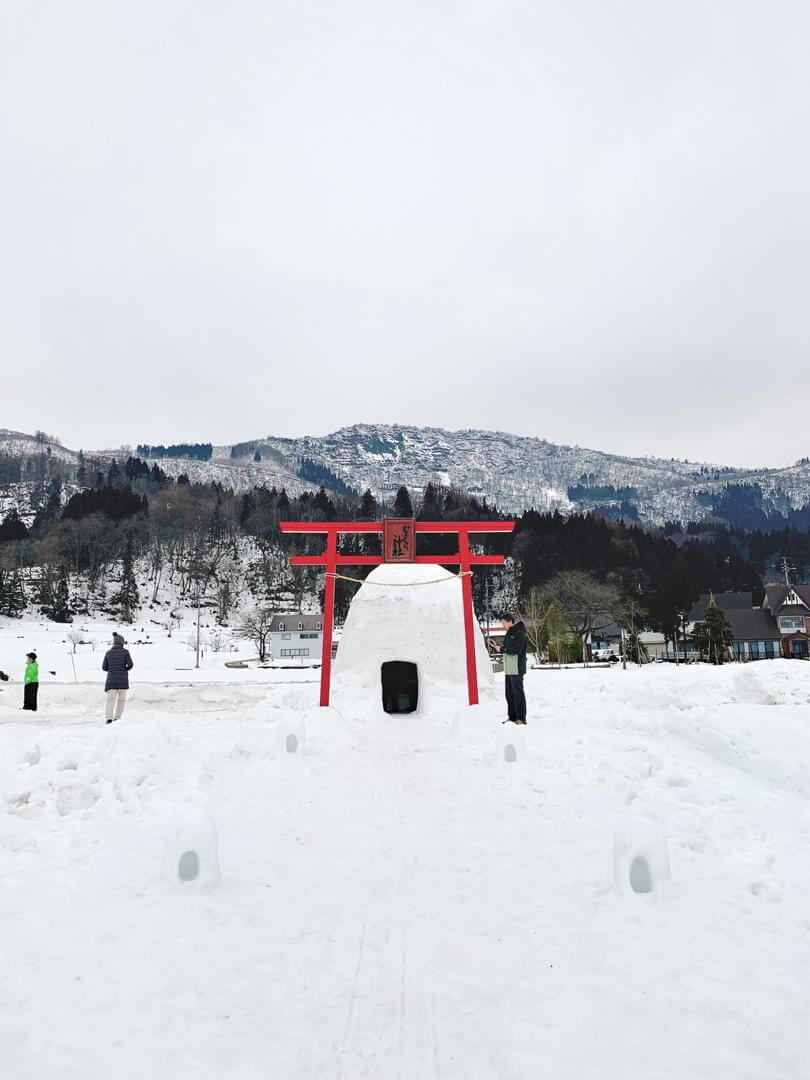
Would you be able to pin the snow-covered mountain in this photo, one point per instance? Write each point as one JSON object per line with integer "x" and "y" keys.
{"x": 514, "y": 472}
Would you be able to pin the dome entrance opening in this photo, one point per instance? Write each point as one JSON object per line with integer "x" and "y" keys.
{"x": 400, "y": 686}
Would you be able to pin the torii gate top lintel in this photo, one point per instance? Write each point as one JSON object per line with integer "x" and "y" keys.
{"x": 399, "y": 546}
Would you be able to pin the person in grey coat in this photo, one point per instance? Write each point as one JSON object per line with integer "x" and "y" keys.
{"x": 118, "y": 664}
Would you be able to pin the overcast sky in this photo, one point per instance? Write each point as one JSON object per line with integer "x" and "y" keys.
{"x": 586, "y": 221}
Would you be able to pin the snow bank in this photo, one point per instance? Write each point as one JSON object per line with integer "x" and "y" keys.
{"x": 395, "y": 903}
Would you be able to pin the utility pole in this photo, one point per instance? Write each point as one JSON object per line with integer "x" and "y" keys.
{"x": 786, "y": 570}
{"x": 198, "y": 626}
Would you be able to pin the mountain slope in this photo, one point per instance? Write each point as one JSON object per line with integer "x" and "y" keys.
{"x": 518, "y": 472}
{"x": 515, "y": 472}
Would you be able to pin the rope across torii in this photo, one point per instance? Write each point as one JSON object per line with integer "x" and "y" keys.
{"x": 399, "y": 546}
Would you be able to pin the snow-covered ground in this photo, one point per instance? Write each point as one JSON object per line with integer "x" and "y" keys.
{"x": 158, "y": 657}
{"x": 400, "y": 901}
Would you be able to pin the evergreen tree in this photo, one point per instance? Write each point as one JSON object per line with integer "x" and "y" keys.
{"x": 402, "y": 504}
{"x": 115, "y": 502}
{"x": 675, "y": 599}
{"x": 113, "y": 473}
{"x": 125, "y": 601}
{"x": 713, "y": 634}
{"x": 158, "y": 476}
{"x": 323, "y": 503}
{"x": 81, "y": 470}
{"x": 12, "y": 593}
{"x": 47, "y": 513}
{"x": 431, "y": 508}
{"x": 12, "y": 528}
{"x": 216, "y": 526}
{"x": 368, "y": 507}
{"x": 246, "y": 508}
{"x": 55, "y": 598}
{"x": 257, "y": 456}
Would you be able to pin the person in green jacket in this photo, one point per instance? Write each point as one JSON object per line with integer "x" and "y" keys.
{"x": 31, "y": 688}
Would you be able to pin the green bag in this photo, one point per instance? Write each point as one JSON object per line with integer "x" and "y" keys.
{"x": 510, "y": 664}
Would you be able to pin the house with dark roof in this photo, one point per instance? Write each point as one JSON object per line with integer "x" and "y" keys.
{"x": 728, "y": 601}
{"x": 780, "y": 626}
{"x": 789, "y": 607}
{"x": 756, "y": 634}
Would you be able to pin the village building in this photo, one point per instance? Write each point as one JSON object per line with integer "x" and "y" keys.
{"x": 789, "y": 607}
{"x": 296, "y": 636}
{"x": 654, "y": 644}
{"x": 780, "y": 626}
{"x": 756, "y": 635}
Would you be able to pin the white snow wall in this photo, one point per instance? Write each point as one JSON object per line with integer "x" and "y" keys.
{"x": 410, "y": 612}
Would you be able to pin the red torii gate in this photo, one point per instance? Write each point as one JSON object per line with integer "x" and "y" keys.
{"x": 400, "y": 547}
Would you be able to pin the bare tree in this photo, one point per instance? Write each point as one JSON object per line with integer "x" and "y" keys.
{"x": 229, "y": 584}
{"x": 546, "y": 624}
{"x": 255, "y": 625}
{"x": 580, "y": 596}
{"x": 74, "y": 637}
{"x": 557, "y": 631}
{"x": 631, "y": 617}
{"x": 534, "y": 611}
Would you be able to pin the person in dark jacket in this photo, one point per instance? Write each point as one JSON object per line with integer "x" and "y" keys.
{"x": 118, "y": 664}
{"x": 31, "y": 685}
{"x": 514, "y": 666}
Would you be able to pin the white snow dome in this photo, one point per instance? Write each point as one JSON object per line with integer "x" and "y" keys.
{"x": 402, "y": 648}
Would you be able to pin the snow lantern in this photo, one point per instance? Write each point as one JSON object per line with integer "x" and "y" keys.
{"x": 510, "y": 743}
{"x": 191, "y": 856}
{"x": 403, "y": 646}
{"x": 292, "y": 735}
{"x": 640, "y": 856}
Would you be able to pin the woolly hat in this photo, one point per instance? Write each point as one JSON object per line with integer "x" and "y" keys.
{"x": 117, "y": 639}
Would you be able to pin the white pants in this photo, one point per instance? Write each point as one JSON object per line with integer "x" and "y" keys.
{"x": 116, "y": 700}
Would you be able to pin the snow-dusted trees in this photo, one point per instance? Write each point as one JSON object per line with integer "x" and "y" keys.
{"x": 229, "y": 584}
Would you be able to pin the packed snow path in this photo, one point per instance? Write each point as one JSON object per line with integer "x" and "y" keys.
{"x": 399, "y": 902}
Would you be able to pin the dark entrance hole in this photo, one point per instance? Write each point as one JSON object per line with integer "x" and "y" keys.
{"x": 188, "y": 868}
{"x": 400, "y": 686}
{"x": 640, "y": 876}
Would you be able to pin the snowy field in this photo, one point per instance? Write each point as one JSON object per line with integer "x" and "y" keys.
{"x": 399, "y": 901}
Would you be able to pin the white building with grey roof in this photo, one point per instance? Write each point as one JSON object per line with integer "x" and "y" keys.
{"x": 296, "y": 636}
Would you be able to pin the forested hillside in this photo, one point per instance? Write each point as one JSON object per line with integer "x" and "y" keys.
{"x": 126, "y": 539}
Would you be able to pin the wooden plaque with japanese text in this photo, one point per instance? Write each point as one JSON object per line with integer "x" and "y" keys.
{"x": 398, "y": 540}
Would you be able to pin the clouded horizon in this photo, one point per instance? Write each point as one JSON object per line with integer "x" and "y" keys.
{"x": 586, "y": 222}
